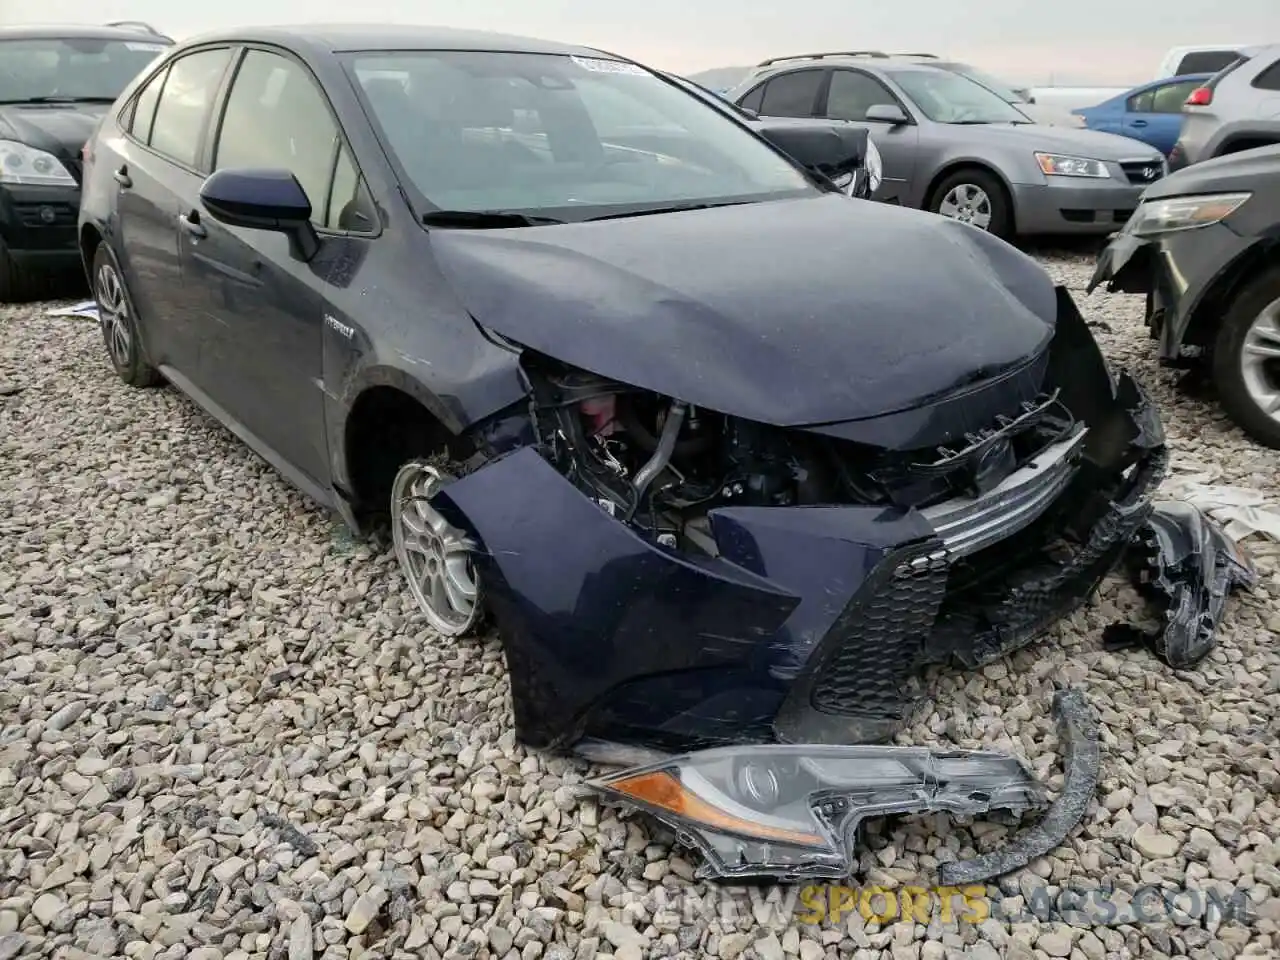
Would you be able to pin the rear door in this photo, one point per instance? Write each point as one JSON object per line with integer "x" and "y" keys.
{"x": 849, "y": 95}
{"x": 265, "y": 307}
{"x": 164, "y": 126}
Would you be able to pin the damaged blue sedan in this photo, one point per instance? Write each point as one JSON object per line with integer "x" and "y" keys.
{"x": 725, "y": 455}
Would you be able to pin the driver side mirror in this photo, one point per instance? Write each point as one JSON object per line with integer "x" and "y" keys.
{"x": 887, "y": 113}
{"x": 263, "y": 200}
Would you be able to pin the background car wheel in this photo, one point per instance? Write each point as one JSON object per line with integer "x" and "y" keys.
{"x": 975, "y": 197}
{"x": 1246, "y": 359}
{"x": 119, "y": 322}
{"x": 434, "y": 555}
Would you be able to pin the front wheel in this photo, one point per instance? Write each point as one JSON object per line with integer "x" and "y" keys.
{"x": 1246, "y": 359}
{"x": 434, "y": 555}
{"x": 975, "y": 197}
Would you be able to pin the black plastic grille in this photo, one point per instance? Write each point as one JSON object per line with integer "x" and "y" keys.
{"x": 1142, "y": 172}
{"x": 879, "y": 641}
{"x": 46, "y": 214}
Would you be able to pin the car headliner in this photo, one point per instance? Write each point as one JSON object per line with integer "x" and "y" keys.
{"x": 356, "y": 37}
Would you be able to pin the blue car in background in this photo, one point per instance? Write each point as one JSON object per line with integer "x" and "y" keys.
{"x": 1151, "y": 113}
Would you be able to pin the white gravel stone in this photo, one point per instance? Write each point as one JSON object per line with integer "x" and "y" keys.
{"x": 227, "y": 733}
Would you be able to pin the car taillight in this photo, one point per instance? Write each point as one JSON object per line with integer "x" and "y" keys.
{"x": 86, "y": 153}
{"x": 1200, "y": 97}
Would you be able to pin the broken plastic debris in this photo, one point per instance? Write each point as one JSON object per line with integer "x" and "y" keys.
{"x": 1242, "y": 511}
{"x": 1082, "y": 757}
{"x": 87, "y": 309}
{"x": 1185, "y": 562}
{"x": 792, "y": 812}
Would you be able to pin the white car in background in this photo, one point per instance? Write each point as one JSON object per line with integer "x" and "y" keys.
{"x": 1201, "y": 58}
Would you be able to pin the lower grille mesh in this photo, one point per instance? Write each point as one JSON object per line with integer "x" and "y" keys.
{"x": 881, "y": 641}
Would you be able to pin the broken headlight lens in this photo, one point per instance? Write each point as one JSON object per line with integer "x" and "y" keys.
{"x": 1184, "y": 213}
{"x": 1056, "y": 165}
{"x": 790, "y": 811}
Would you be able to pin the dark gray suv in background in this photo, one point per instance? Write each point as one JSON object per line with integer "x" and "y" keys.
{"x": 952, "y": 146}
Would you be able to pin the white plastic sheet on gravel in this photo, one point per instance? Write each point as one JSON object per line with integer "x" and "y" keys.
{"x": 225, "y": 732}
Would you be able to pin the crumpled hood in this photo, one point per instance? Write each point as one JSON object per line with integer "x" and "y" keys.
{"x": 791, "y": 313}
{"x": 60, "y": 129}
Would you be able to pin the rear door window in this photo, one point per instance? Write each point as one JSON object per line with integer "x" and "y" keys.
{"x": 792, "y": 94}
{"x": 183, "y": 109}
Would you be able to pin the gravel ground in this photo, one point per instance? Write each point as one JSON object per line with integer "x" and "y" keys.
{"x": 225, "y": 733}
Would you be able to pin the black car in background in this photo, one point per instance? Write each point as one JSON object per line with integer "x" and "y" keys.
{"x": 1204, "y": 246}
{"x": 55, "y": 85}
{"x": 726, "y": 455}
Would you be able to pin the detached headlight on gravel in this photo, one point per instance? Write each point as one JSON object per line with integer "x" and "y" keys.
{"x": 794, "y": 810}
{"x": 1184, "y": 213}
{"x": 1056, "y": 165}
{"x": 20, "y": 163}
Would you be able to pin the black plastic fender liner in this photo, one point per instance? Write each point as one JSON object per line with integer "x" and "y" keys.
{"x": 1082, "y": 757}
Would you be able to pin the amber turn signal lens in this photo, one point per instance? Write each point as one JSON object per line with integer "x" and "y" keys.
{"x": 660, "y": 789}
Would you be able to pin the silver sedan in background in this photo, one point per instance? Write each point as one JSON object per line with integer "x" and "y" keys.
{"x": 950, "y": 145}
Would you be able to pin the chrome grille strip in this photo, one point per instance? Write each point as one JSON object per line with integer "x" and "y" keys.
{"x": 967, "y": 525}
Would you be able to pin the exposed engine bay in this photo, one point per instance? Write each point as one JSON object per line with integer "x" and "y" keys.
{"x": 661, "y": 464}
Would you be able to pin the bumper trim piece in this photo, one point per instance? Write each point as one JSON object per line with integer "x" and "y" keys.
{"x": 1185, "y": 563}
{"x": 1082, "y": 756}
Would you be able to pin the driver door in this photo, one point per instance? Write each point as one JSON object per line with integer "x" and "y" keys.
{"x": 850, "y": 94}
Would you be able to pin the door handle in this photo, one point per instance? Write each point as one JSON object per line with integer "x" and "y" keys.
{"x": 122, "y": 177}
{"x": 191, "y": 223}
{"x": 1137, "y": 123}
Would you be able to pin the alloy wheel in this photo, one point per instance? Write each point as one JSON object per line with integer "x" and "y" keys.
{"x": 1260, "y": 360}
{"x": 113, "y": 314}
{"x": 434, "y": 555}
{"x": 968, "y": 203}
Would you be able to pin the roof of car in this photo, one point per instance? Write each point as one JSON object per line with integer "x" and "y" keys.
{"x": 869, "y": 61}
{"x": 54, "y": 31}
{"x": 346, "y": 37}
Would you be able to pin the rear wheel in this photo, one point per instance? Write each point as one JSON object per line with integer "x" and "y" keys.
{"x": 119, "y": 322}
{"x": 975, "y": 197}
{"x": 1246, "y": 359}
{"x": 434, "y": 555}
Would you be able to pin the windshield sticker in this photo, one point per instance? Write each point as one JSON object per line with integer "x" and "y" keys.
{"x": 152, "y": 47}
{"x": 596, "y": 65}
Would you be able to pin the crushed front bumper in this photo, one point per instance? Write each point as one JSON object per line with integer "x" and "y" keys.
{"x": 1176, "y": 272}
{"x": 813, "y": 623}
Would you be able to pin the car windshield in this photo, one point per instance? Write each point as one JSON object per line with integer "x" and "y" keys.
{"x": 994, "y": 84}
{"x": 563, "y": 137}
{"x": 71, "y": 68}
{"x": 946, "y": 97}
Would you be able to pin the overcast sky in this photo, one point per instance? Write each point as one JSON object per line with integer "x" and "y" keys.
{"x": 1078, "y": 41}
